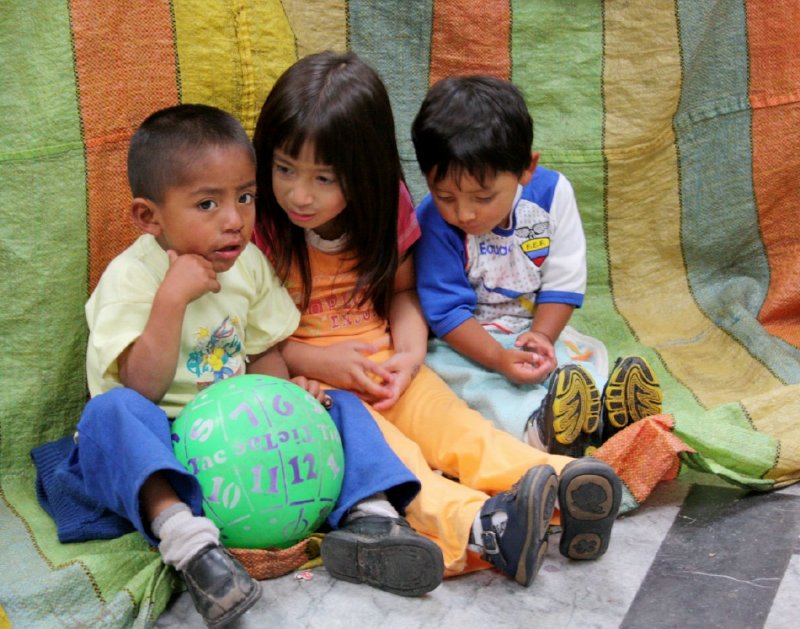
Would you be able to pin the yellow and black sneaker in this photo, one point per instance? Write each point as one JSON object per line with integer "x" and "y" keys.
{"x": 568, "y": 420}
{"x": 631, "y": 393}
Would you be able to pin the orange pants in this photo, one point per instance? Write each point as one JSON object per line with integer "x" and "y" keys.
{"x": 430, "y": 428}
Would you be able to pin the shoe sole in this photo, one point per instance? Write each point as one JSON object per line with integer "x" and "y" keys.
{"x": 632, "y": 393}
{"x": 589, "y": 495}
{"x": 403, "y": 566}
{"x": 576, "y": 404}
{"x": 237, "y": 611}
{"x": 538, "y": 489}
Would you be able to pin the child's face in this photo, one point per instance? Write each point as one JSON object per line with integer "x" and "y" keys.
{"x": 474, "y": 208}
{"x": 212, "y": 212}
{"x": 308, "y": 192}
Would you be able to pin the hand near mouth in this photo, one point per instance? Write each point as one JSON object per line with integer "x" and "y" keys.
{"x": 189, "y": 277}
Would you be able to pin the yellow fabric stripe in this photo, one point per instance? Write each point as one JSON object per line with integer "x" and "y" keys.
{"x": 318, "y": 25}
{"x": 775, "y": 413}
{"x": 231, "y": 53}
{"x": 642, "y": 87}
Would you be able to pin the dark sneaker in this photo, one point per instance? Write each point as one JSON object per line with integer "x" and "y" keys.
{"x": 568, "y": 420}
{"x": 518, "y": 545}
{"x": 219, "y": 586}
{"x": 631, "y": 393}
{"x": 385, "y": 553}
{"x": 589, "y": 493}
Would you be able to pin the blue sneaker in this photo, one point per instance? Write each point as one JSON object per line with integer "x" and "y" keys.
{"x": 589, "y": 493}
{"x": 517, "y": 545}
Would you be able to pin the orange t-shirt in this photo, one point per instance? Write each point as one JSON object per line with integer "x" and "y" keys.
{"x": 332, "y": 315}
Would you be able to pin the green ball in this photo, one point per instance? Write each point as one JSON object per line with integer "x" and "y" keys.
{"x": 268, "y": 458}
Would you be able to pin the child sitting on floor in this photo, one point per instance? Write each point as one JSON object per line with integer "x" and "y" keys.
{"x": 193, "y": 176}
{"x": 501, "y": 265}
{"x": 329, "y": 176}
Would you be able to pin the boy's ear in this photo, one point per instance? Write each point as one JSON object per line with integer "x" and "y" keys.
{"x": 145, "y": 216}
{"x": 527, "y": 174}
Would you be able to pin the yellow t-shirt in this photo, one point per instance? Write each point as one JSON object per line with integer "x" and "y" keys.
{"x": 251, "y": 313}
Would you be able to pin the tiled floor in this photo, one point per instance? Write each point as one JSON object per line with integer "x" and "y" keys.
{"x": 694, "y": 555}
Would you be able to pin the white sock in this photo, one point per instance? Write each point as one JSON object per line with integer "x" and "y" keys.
{"x": 532, "y": 437}
{"x": 183, "y": 535}
{"x": 499, "y": 519}
{"x": 534, "y": 431}
{"x": 377, "y": 504}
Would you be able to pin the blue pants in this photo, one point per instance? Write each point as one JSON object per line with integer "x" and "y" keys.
{"x": 91, "y": 487}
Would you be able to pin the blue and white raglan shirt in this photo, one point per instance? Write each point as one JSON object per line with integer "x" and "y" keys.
{"x": 499, "y": 277}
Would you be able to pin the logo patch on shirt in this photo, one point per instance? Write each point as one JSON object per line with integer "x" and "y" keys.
{"x": 217, "y": 354}
{"x": 537, "y": 249}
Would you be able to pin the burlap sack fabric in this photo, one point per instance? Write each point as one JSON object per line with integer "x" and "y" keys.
{"x": 269, "y": 563}
{"x": 677, "y": 123}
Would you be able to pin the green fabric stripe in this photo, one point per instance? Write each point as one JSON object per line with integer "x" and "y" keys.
{"x": 43, "y": 242}
{"x": 565, "y": 98}
{"x": 566, "y": 103}
{"x": 395, "y": 38}
{"x": 726, "y": 262}
{"x": 728, "y": 446}
{"x": 49, "y": 574}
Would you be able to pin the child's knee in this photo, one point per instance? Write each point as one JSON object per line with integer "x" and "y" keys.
{"x": 120, "y": 407}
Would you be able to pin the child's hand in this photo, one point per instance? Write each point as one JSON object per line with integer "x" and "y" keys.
{"x": 190, "y": 276}
{"x": 403, "y": 367}
{"x": 532, "y": 362}
{"x": 536, "y": 342}
{"x": 346, "y": 366}
{"x": 523, "y": 367}
{"x": 314, "y": 388}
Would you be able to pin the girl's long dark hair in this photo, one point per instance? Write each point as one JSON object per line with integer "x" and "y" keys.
{"x": 340, "y": 105}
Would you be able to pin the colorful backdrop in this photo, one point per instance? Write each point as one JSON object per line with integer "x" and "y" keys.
{"x": 676, "y": 121}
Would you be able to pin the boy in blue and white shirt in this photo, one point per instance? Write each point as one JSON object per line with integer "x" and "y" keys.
{"x": 501, "y": 265}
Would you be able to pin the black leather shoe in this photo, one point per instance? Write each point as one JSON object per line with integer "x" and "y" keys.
{"x": 219, "y": 586}
{"x": 385, "y": 553}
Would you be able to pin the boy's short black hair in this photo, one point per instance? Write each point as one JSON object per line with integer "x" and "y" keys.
{"x": 474, "y": 124}
{"x": 168, "y": 141}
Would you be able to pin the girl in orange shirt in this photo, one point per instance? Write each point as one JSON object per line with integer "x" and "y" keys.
{"x": 327, "y": 217}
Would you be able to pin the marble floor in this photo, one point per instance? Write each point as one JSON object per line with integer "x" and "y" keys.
{"x": 697, "y": 554}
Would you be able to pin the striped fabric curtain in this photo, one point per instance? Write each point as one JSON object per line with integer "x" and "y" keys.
{"x": 677, "y": 122}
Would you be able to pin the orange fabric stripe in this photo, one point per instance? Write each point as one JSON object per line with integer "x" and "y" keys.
{"x": 644, "y": 454}
{"x": 470, "y": 38}
{"x": 125, "y": 65}
{"x": 774, "y": 34}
